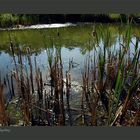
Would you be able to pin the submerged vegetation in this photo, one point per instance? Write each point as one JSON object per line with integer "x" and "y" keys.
{"x": 108, "y": 95}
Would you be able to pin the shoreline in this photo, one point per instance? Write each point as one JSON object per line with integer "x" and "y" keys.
{"x": 40, "y": 26}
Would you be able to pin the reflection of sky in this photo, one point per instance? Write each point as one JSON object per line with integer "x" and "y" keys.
{"x": 5, "y": 63}
{"x": 77, "y": 57}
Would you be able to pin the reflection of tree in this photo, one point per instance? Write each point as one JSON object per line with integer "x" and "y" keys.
{"x": 79, "y": 36}
{"x": 83, "y": 51}
{"x": 108, "y": 35}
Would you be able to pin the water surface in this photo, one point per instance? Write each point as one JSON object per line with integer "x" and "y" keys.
{"x": 76, "y": 43}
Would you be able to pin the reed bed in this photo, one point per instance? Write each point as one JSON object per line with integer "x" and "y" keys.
{"x": 110, "y": 90}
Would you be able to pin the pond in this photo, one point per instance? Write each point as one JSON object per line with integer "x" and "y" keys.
{"x": 75, "y": 42}
{"x": 77, "y": 45}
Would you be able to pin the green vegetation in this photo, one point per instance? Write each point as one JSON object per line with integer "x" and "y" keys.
{"x": 11, "y": 20}
{"x": 77, "y": 36}
{"x": 110, "y": 89}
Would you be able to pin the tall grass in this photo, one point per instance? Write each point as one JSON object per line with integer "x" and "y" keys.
{"x": 4, "y": 121}
{"x": 110, "y": 84}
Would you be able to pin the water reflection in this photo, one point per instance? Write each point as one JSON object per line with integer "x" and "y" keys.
{"x": 76, "y": 43}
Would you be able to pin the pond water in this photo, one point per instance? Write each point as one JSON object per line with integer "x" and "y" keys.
{"x": 75, "y": 42}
